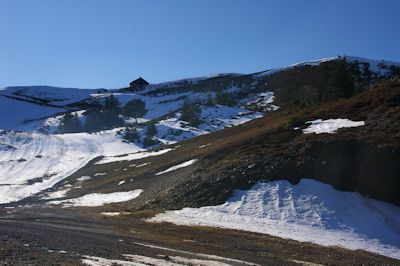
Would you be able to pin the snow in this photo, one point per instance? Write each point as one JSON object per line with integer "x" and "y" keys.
{"x": 262, "y": 100}
{"x": 50, "y": 95}
{"x": 99, "y": 174}
{"x": 83, "y": 178}
{"x": 99, "y": 199}
{"x": 330, "y": 126}
{"x": 373, "y": 64}
{"x": 208, "y": 256}
{"x": 310, "y": 211}
{"x": 137, "y": 260}
{"x": 143, "y": 164}
{"x": 173, "y": 261}
{"x": 212, "y": 119}
{"x": 14, "y": 114}
{"x": 306, "y": 63}
{"x": 133, "y": 156}
{"x": 176, "y": 167}
{"x": 57, "y": 194}
{"x": 121, "y": 182}
{"x": 39, "y": 161}
{"x": 98, "y": 261}
{"x": 204, "y": 145}
{"x": 111, "y": 213}
{"x": 31, "y": 162}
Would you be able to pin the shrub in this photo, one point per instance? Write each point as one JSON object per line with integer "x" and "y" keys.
{"x": 131, "y": 134}
{"x": 151, "y": 129}
{"x": 191, "y": 113}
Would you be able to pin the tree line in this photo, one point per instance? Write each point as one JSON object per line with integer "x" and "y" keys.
{"x": 102, "y": 116}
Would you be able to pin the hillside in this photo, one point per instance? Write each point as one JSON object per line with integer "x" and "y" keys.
{"x": 301, "y": 152}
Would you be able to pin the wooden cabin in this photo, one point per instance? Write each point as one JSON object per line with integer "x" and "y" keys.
{"x": 138, "y": 84}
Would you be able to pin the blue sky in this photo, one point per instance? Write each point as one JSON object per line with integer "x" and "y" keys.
{"x": 107, "y": 43}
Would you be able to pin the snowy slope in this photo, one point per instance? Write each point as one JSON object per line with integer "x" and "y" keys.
{"x": 306, "y": 63}
{"x": 39, "y": 108}
{"x": 309, "y": 211}
{"x": 38, "y": 161}
{"x": 31, "y": 162}
{"x": 50, "y": 95}
{"x": 14, "y": 114}
{"x": 330, "y": 126}
{"x": 373, "y": 64}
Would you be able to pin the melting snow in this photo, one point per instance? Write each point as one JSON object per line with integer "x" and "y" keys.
{"x": 136, "y": 260}
{"x": 133, "y": 156}
{"x": 83, "y": 178}
{"x": 57, "y": 194}
{"x": 111, "y": 213}
{"x": 310, "y": 211}
{"x": 99, "y": 174}
{"x": 40, "y": 161}
{"x": 204, "y": 145}
{"x": 173, "y": 168}
{"x": 100, "y": 199}
{"x": 208, "y": 256}
{"x": 330, "y": 126}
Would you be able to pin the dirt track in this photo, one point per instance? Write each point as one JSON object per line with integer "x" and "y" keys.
{"x": 37, "y": 236}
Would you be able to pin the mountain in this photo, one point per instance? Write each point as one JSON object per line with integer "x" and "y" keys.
{"x": 300, "y": 152}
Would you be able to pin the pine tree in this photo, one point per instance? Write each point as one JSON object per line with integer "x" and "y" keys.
{"x": 93, "y": 120}
{"x": 191, "y": 113}
{"x": 224, "y": 98}
{"x": 151, "y": 129}
{"x": 367, "y": 74}
{"x": 210, "y": 100}
{"x": 150, "y": 133}
{"x": 69, "y": 123}
{"x": 109, "y": 115}
{"x": 340, "y": 82}
{"x": 134, "y": 108}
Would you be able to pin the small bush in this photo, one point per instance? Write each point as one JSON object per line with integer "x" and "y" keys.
{"x": 151, "y": 129}
{"x": 148, "y": 141}
{"x": 191, "y": 113}
{"x": 131, "y": 134}
{"x": 297, "y": 121}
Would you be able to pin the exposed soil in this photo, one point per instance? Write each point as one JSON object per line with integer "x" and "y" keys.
{"x": 55, "y": 236}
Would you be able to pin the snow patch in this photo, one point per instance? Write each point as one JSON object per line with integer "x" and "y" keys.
{"x": 99, "y": 199}
{"x": 57, "y": 194}
{"x": 83, "y": 178}
{"x": 173, "y": 168}
{"x": 209, "y": 256}
{"x": 99, "y": 174}
{"x": 306, "y": 63}
{"x": 310, "y": 211}
{"x": 133, "y": 156}
{"x": 330, "y": 126}
{"x": 111, "y": 213}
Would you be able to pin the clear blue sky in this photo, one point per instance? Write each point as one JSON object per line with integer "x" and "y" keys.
{"x": 96, "y": 43}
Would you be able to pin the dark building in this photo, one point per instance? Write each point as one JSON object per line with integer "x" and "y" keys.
{"x": 138, "y": 84}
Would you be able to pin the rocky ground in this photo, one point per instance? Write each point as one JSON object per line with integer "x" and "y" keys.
{"x": 48, "y": 236}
